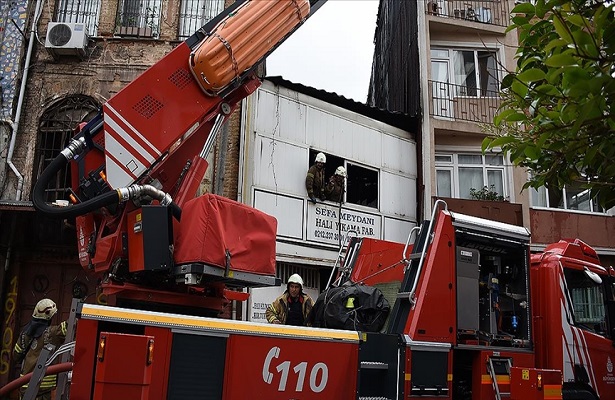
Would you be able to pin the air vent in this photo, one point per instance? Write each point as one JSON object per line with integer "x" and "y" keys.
{"x": 66, "y": 38}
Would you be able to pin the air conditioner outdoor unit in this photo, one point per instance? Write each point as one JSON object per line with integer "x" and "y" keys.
{"x": 66, "y": 38}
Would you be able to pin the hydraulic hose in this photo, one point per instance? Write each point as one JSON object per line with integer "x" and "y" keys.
{"x": 112, "y": 197}
{"x": 38, "y": 195}
{"x": 22, "y": 380}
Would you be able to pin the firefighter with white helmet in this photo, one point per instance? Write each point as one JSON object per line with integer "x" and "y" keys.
{"x": 38, "y": 333}
{"x": 336, "y": 185}
{"x": 315, "y": 179}
{"x": 293, "y": 306}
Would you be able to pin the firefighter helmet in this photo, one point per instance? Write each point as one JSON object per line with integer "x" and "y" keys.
{"x": 45, "y": 309}
{"x": 295, "y": 278}
{"x": 320, "y": 157}
{"x": 341, "y": 171}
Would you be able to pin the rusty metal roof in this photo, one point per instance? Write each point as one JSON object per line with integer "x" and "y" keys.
{"x": 394, "y": 118}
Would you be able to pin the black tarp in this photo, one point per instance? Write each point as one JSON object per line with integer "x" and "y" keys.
{"x": 353, "y": 307}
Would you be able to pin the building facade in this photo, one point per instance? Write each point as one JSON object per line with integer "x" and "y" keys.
{"x": 443, "y": 60}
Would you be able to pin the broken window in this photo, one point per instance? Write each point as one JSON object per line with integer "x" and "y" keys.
{"x": 56, "y": 128}
{"x": 361, "y": 182}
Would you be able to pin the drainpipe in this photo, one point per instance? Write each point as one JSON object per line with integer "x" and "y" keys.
{"x": 22, "y": 91}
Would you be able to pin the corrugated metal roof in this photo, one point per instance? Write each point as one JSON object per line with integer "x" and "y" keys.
{"x": 394, "y": 118}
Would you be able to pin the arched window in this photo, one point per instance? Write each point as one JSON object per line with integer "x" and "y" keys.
{"x": 56, "y": 128}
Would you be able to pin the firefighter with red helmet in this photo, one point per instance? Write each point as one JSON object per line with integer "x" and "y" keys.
{"x": 38, "y": 333}
{"x": 293, "y": 306}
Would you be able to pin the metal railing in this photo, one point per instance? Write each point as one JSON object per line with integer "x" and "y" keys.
{"x": 138, "y": 18}
{"x": 196, "y": 13}
{"x": 460, "y": 102}
{"x": 492, "y": 12}
{"x": 84, "y": 11}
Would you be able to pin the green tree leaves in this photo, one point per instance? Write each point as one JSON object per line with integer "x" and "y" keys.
{"x": 557, "y": 116}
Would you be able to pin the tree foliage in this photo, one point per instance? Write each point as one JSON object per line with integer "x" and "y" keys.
{"x": 556, "y": 118}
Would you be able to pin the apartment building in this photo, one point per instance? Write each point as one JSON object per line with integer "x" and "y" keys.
{"x": 443, "y": 60}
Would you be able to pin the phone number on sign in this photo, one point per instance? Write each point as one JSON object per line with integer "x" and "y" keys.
{"x": 326, "y": 235}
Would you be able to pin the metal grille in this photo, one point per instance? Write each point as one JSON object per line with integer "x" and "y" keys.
{"x": 56, "y": 128}
{"x": 196, "y": 13}
{"x": 460, "y": 102}
{"x": 310, "y": 275}
{"x": 82, "y": 11}
{"x": 180, "y": 78}
{"x": 138, "y": 18}
{"x": 148, "y": 106}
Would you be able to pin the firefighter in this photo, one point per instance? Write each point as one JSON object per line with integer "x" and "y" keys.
{"x": 336, "y": 185}
{"x": 293, "y": 306}
{"x": 315, "y": 179}
{"x": 38, "y": 333}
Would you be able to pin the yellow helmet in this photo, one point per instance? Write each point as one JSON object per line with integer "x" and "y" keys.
{"x": 45, "y": 309}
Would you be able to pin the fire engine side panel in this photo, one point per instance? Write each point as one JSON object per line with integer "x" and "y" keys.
{"x": 436, "y": 287}
{"x": 85, "y": 353}
{"x": 284, "y": 368}
{"x": 482, "y": 384}
{"x": 162, "y": 355}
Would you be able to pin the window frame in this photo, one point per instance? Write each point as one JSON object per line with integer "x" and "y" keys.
{"x": 65, "y": 12}
{"x": 454, "y": 165}
{"x": 542, "y": 195}
{"x": 189, "y": 22}
{"x": 449, "y": 60}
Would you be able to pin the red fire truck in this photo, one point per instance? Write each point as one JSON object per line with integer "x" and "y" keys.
{"x": 473, "y": 316}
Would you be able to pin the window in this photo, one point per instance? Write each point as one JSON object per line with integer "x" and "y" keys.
{"x": 361, "y": 182}
{"x": 472, "y": 72}
{"x": 139, "y": 18}
{"x": 56, "y": 128}
{"x": 587, "y": 301}
{"x": 572, "y": 197}
{"x": 196, "y": 13}
{"x": 456, "y": 174}
{"x": 82, "y": 11}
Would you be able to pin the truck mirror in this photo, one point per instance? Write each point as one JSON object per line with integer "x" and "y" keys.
{"x": 593, "y": 276}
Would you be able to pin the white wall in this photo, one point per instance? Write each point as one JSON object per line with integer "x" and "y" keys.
{"x": 279, "y": 128}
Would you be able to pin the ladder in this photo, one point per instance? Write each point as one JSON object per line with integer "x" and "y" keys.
{"x": 494, "y": 381}
{"x": 414, "y": 264}
{"x": 344, "y": 262}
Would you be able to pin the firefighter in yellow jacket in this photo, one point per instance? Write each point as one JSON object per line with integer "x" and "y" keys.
{"x": 293, "y": 306}
{"x": 33, "y": 338}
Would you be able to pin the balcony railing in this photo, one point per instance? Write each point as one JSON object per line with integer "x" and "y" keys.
{"x": 493, "y": 12}
{"x": 460, "y": 102}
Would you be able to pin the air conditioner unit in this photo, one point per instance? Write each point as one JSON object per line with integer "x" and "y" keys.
{"x": 66, "y": 38}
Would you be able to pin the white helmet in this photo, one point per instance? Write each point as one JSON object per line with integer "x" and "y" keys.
{"x": 45, "y": 309}
{"x": 295, "y": 278}
{"x": 341, "y": 171}
{"x": 320, "y": 157}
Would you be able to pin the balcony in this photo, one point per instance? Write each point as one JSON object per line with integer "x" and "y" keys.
{"x": 501, "y": 211}
{"x": 462, "y": 103}
{"x": 492, "y": 12}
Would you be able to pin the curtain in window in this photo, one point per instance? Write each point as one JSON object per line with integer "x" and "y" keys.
{"x": 196, "y": 13}
{"x": 81, "y": 11}
{"x": 469, "y": 178}
{"x": 444, "y": 183}
{"x": 488, "y": 74}
{"x": 465, "y": 72}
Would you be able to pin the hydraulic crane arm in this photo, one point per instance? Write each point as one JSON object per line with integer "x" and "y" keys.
{"x": 149, "y": 144}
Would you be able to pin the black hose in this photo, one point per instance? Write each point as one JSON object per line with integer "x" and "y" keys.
{"x": 38, "y": 195}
